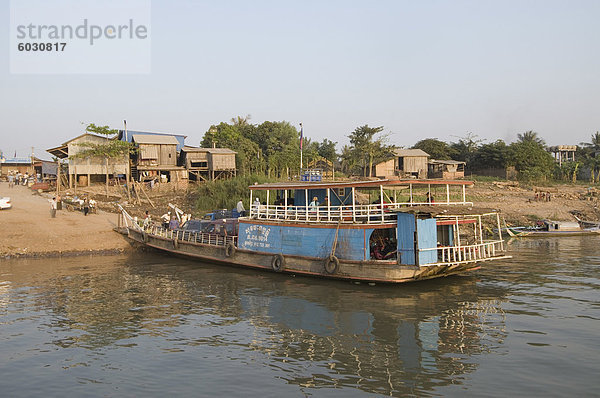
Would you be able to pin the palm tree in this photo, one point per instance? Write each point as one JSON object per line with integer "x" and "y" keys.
{"x": 240, "y": 120}
{"x": 531, "y": 137}
{"x": 595, "y": 141}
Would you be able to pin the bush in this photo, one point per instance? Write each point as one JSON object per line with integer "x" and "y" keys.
{"x": 224, "y": 194}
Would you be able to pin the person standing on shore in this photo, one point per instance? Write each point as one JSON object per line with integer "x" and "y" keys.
{"x": 86, "y": 206}
{"x": 11, "y": 180}
{"x": 53, "y": 207}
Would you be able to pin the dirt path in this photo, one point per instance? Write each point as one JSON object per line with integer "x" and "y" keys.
{"x": 28, "y": 229}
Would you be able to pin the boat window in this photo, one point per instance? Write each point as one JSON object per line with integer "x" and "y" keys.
{"x": 383, "y": 244}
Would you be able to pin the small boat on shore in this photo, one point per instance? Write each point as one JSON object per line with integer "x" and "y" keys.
{"x": 548, "y": 228}
{"x": 404, "y": 235}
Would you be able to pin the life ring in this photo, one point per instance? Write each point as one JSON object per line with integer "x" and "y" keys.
{"x": 332, "y": 264}
{"x": 175, "y": 244}
{"x": 278, "y": 262}
{"x": 230, "y": 249}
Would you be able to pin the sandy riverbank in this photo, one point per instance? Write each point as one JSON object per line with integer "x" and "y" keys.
{"x": 28, "y": 230}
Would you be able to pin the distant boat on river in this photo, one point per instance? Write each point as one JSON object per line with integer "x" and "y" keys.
{"x": 547, "y": 228}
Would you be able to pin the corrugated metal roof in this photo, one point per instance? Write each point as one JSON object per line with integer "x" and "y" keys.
{"x": 17, "y": 161}
{"x": 357, "y": 184}
{"x": 220, "y": 150}
{"x": 435, "y": 161}
{"x": 410, "y": 152}
{"x": 155, "y": 139}
{"x": 208, "y": 150}
{"x": 130, "y": 133}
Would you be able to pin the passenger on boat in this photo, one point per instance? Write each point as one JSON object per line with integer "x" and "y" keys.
{"x": 241, "y": 209}
{"x": 173, "y": 224}
{"x": 165, "y": 218}
{"x": 314, "y": 204}
{"x": 429, "y": 197}
{"x": 383, "y": 250}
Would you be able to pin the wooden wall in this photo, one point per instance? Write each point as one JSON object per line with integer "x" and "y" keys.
{"x": 94, "y": 165}
{"x": 222, "y": 161}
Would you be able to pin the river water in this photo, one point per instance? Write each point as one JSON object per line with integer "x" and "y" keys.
{"x": 151, "y": 325}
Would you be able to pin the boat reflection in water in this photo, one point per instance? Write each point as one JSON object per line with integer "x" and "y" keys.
{"x": 216, "y": 321}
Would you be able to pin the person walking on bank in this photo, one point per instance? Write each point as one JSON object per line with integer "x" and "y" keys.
{"x": 241, "y": 209}
{"x": 86, "y": 206}
{"x": 53, "y": 207}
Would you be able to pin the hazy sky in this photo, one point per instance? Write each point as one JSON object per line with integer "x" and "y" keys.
{"x": 421, "y": 69}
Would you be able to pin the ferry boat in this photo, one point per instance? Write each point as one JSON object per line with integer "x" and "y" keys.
{"x": 413, "y": 230}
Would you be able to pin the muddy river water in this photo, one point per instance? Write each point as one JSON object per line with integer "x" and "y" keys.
{"x": 150, "y": 325}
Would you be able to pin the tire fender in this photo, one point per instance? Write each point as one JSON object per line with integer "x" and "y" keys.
{"x": 278, "y": 263}
{"x": 230, "y": 249}
{"x": 332, "y": 264}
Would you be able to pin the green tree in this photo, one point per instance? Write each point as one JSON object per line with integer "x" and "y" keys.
{"x": 531, "y": 160}
{"x": 435, "y": 148}
{"x": 465, "y": 148}
{"x": 248, "y": 157}
{"x": 367, "y": 148}
{"x": 589, "y": 153}
{"x": 327, "y": 150}
{"x": 493, "y": 155}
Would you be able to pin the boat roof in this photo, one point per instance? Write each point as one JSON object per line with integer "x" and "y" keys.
{"x": 442, "y": 210}
{"x": 389, "y": 184}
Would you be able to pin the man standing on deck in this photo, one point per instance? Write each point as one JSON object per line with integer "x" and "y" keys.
{"x": 241, "y": 209}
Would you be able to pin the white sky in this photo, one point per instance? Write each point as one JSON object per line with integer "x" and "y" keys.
{"x": 421, "y": 69}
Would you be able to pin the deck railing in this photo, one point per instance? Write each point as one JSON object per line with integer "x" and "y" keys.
{"x": 468, "y": 253}
{"x": 368, "y": 214}
{"x": 194, "y": 237}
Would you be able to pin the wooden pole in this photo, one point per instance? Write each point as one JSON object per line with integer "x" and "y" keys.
{"x": 146, "y": 195}
{"x": 106, "y": 164}
{"x": 57, "y": 177}
{"x": 128, "y": 179}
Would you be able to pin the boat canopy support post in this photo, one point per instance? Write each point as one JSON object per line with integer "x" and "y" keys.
{"x": 448, "y": 193}
{"x": 250, "y": 205}
{"x": 381, "y": 200}
{"x": 306, "y": 203}
{"x": 328, "y": 205}
{"x": 285, "y": 203}
{"x": 353, "y": 206}
{"x": 500, "y": 231}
